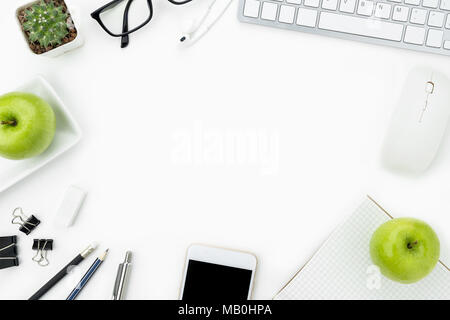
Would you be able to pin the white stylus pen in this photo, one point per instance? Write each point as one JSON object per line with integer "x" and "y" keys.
{"x": 215, "y": 11}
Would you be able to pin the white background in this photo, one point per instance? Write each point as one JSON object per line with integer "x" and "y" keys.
{"x": 328, "y": 101}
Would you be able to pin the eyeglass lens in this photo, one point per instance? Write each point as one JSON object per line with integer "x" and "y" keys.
{"x": 138, "y": 13}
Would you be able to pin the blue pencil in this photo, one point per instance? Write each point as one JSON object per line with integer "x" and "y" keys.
{"x": 87, "y": 276}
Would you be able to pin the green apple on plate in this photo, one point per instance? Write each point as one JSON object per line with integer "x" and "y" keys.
{"x": 27, "y": 125}
{"x": 406, "y": 250}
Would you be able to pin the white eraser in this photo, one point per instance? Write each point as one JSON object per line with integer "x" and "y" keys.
{"x": 70, "y": 206}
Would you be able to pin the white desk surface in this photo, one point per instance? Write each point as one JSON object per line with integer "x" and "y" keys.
{"x": 323, "y": 102}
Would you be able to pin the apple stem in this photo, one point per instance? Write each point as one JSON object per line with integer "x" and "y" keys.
{"x": 11, "y": 123}
{"x": 411, "y": 245}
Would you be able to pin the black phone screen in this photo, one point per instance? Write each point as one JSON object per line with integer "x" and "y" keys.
{"x": 213, "y": 282}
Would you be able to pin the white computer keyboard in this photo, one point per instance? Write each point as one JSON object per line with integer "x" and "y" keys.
{"x": 422, "y": 25}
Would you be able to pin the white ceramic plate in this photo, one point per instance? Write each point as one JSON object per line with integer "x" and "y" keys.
{"x": 67, "y": 135}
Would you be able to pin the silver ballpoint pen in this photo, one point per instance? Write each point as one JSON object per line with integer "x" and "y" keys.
{"x": 122, "y": 278}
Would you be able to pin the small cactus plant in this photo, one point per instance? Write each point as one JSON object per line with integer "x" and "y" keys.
{"x": 46, "y": 23}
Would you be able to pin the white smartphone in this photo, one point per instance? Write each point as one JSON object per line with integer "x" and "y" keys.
{"x": 215, "y": 274}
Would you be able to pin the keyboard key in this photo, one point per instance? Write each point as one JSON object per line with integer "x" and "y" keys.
{"x": 361, "y": 26}
{"x": 435, "y": 38}
{"x": 398, "y": 1}
{"x": 418, "y": 16}
{"x": 269, "y": 11}
{"x": 329, "y": 4}
{"x": 445, "y": 5}
{"x": 412, "y": 2}
{"x": 312, "y": 3}
{"x": 251, "y": 8}
{"x": 307, "y": 17}
{"x": 294, "y": 1}
{"x": 383, "y": 10}
{"x": 447, "y": 25}
{"x": 348, "y": 6}
{"x": 400, "y": 13}
{"x": 287, "y": 14}
{"x": 436, "y": 19}
{"x": 414, "y": 35}
{"x": 365, "y": 7}
{"x": 447, "y": 45}
{"x": 430, "y": 3}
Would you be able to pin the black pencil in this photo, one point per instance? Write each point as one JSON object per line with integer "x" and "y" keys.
{"x": 53, "y": 281}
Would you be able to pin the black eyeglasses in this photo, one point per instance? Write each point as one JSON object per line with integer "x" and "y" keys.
{"x": 136, "y": 14}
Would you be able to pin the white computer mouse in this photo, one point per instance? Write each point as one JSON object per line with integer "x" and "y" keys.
{"x": 419, "y": 122}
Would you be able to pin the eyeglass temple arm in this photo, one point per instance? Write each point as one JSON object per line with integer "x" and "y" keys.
{"x": 125, "y": 40}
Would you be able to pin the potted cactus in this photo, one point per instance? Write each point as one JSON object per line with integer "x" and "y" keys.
{"x": 48, "y": 27}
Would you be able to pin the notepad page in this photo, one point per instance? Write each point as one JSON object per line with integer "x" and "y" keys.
{"x": 342, "y": 267}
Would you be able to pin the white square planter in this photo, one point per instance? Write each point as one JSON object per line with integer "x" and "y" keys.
{"x": 76, "y": 43}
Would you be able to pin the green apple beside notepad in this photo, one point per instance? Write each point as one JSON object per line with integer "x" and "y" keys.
{"x": 405, "y": 249}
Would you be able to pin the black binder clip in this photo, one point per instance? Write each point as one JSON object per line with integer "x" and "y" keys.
{"x": 8, "y": 252}
{"x": 42, "y": 246}
{"x": 27, "y": 224}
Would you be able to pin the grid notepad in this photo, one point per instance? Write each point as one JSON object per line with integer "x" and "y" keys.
{"x": 342, "y": 268}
